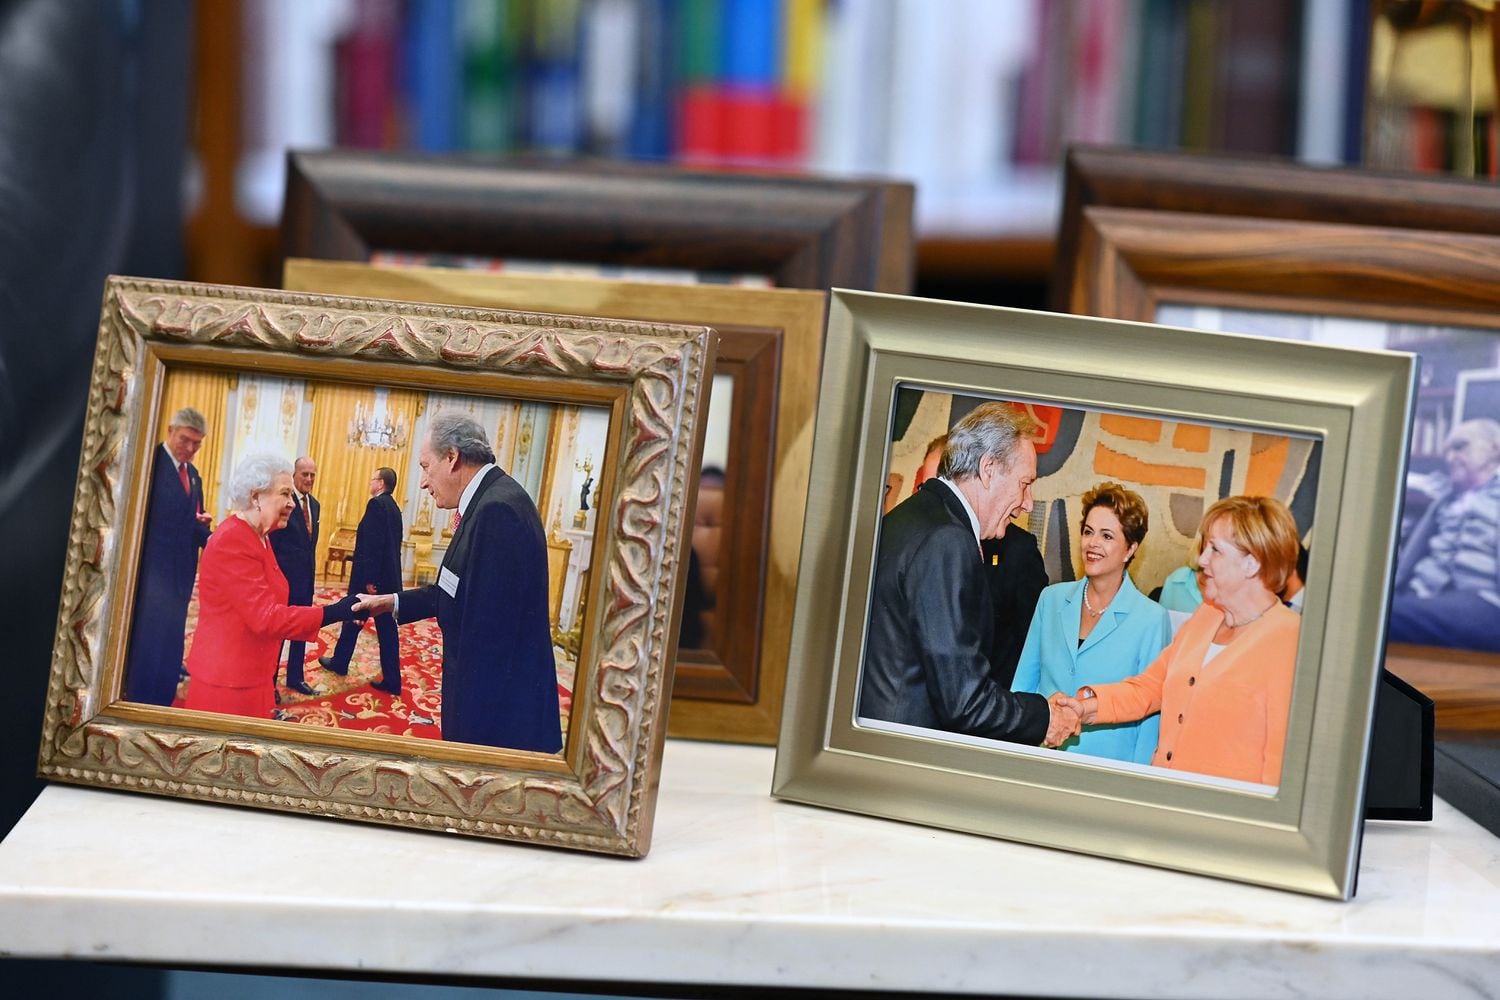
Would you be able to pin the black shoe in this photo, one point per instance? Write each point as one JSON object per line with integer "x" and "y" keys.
{"x": 326, "y": 662}
{"x": 301, "y": 687}
{"x": 387, "y": 687}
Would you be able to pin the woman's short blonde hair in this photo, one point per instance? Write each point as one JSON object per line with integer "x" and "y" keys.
{"x": 1263, "y": 527}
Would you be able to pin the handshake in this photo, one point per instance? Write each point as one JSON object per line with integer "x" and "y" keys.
{"x": 1068, "y": 717}
{"x": 344, "y": 611}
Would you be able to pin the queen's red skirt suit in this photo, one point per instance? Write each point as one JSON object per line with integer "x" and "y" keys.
{"x": 243, "y": 616}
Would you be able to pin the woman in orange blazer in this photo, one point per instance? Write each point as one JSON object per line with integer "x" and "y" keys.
{"x": 243, "y": 614}
{"x": 1224, "y": 685}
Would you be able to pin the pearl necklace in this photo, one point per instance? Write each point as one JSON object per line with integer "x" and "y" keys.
{"x": 1089, "y": 607}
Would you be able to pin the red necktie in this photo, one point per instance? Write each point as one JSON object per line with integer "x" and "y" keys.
{"x": 182, "y": 475}
{"x": 453, "y": 525}
{"x": 306, "y": 514}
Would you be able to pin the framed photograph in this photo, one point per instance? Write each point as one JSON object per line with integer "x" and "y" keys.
{"x": 732, "y": 648}
{"x": 1335, "y": 257}
{"x": 224, "y": 423}
{"x": 1255, "y": 774}
{"x": 787, "y": 231}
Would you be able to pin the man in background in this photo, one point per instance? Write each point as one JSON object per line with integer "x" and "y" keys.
{"x": 376, "y": 570}
{"x": 1448, "y": 573}
{"x": 490, "y": 599}
{"x": 295, "y": 546}
{"x": 176, "y": 529}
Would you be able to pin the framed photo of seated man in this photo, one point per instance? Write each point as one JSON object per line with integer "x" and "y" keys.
{"x": 1344, "y": 257}
{"x": 1099, "y": 610}
{"x": 349, "y": 496}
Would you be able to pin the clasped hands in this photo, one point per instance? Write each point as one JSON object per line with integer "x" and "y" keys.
{"x": 1066, "y": 720}
{"x": 375, "y": 604}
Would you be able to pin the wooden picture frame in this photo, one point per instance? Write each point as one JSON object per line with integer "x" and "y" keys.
{"x": 598, "y": 792}
{"x": 771, "y": 344}
{"x": 800, "y": 232}
{"x": 1143, "y": 229}
{"x": 1300, "y": 831}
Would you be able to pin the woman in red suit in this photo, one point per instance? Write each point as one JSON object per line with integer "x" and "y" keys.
{"x": 243, "y": 614}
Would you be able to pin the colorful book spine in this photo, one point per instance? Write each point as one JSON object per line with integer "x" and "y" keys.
{"x": 652, "y": 133}
{"x": 610, "y": 38}
{"x": 433, "y": 77}
{"x": 700, "y": 52}
{"x": 491, "y": 32}
{"x": 554, "y": 98}
{"x": 368, "y": 115}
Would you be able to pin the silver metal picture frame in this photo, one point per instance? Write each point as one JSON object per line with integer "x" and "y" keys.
{"x": 1299, "y": 833}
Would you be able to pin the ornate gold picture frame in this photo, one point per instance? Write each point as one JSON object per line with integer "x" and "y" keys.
{"x": 598, "y": 792}
{"x": 1297, "y": 829}
{"x": 730, "y": 685}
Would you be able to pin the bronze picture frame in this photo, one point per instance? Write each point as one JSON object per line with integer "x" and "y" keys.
{"x": 771, "y": 343}
{"x": 1142, "y": 229}
{"x": 598, "y": 792}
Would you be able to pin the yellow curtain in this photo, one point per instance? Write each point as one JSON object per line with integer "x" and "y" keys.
{"x": 344, "y": 469}
{"x": 208, "y": 393}
{"x": 558, "y": 502}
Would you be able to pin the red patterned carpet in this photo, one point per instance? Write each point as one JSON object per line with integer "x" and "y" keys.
{"x": 352, "y": 703}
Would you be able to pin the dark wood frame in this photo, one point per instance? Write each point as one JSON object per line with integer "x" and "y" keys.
{"x": 1141, "y": 228}
{"x": 802, "y": 232}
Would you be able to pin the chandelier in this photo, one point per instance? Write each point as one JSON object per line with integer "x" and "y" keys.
{"x": 374, "y": 429}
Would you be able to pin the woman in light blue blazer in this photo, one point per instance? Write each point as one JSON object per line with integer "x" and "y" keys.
{"x": 1101, "y": 628}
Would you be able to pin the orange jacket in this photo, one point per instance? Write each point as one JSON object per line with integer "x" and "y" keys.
{"x": 1227, "y": 718}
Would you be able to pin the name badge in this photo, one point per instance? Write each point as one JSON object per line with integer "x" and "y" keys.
{"x": 448, "y": 580}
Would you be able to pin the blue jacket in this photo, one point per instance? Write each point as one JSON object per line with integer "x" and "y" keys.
{"x": 1124, "y": 642}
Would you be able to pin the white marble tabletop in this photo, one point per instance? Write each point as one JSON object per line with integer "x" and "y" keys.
{"x": 739, "y": 889}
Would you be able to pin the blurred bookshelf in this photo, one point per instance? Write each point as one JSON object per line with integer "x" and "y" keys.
{"x": 973, "y": 100}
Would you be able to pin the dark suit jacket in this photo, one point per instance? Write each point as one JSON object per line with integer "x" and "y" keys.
{"x": 499, "y": 677}
{"x": 377, "y": 547}
{"x": 1016, "y": 574}
{"x": 169, "y": 562}
{"x": 294, "y": 546}
{"x": 930, "y": 629}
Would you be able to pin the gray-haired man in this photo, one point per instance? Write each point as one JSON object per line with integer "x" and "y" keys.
{"x": 927, "y": 653}
{"x": 176, "y": 528}
{"x": 490, "y": 598}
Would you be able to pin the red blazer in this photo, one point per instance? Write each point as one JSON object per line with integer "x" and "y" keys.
{"x": 242, "y": 611}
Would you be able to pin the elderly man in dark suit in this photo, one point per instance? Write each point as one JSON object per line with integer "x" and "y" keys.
{"x": 927, "y": 654}
{"x": 176, "y": 528}
{"x": 490, "y": 598}
{"x": 377, "y": 570}
{"x": 294, "y": 547}
{"x": 1016, "y": 574}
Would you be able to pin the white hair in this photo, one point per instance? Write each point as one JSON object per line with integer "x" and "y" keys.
{"x": 254, "y": 474}
{"x": 1483, "y": 427}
